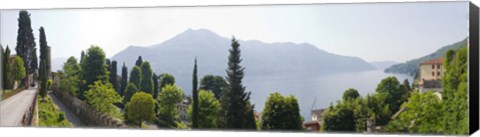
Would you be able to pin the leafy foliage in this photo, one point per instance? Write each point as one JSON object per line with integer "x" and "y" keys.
{"x": 43, "y": 79}
{"x": 350, "y": 94}
{"x": 340, "y": 118}
{"x": 141, "y": 107}
{"x": 166, "y": 79}
{"x": 7, "y": 81}
{"x": 50, "y": 116}
{"x": 71, "y": 77}
{"x": 281, "y": 113}
{"x": 208, "y": 110}
{"x": 102, "y": 96}
{"x": 139, "y": 61}
{"x": 214, "y": 84}
{"x": 135, "y": 76}
{"x": 168, "y": 98}
{"x": 423, "y": 114}
{"x": 129, "y": 92}
{"x": 455, "y": 92}
{"x": 146, "y": 81}
{"x": 394, "y": 92}
{"x": 93, "y": 68}
{"x": 113, "y": 76}
{"x": 18, "y": 70}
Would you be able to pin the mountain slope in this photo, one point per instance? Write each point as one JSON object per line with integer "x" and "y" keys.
{"x": 411, "y": 67}
{"x": 380, "y": 65}
{"x": 177, "y": 54}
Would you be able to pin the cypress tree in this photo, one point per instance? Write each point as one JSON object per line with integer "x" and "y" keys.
{"x": 82, "y": 56}
{"x": 139, "y": 61}
{"x": 113, "y": 76}
{"x": 43, "y": 79}
{"x": 195, "y": 96}
{"x": 146, "y": 81}
{"x": 124, "y": 80}
{"x": 43, "y": 51}
{"x": 135, "y": 76}
{"x": 6, "y": 68}
{"x": 155, "y": 85}
{"x": 236, "y": 114}
{"x": 26, "y": 42}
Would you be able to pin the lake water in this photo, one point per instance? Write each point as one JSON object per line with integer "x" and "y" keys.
{"x": 326, "y": 88}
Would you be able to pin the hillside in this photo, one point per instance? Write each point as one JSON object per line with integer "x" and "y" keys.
{"x": 177, "y": 54}
{"x": 411, "y": 67}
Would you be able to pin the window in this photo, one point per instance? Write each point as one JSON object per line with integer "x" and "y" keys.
{"x": 433, "y": 73}
{"x": 433, "y": 66}
{"x": 438, "y": 66}
{"x": 438, "y": 73}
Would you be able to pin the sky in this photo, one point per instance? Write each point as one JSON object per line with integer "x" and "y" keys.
{"x": 374, "y": 32}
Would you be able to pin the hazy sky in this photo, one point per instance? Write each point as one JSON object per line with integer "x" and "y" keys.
{"x": 374, "y": 32}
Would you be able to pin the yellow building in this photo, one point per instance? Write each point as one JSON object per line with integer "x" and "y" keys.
{"x": 431, "y": 73}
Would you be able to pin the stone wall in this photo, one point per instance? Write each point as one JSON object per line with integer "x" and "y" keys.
{"x": 89, "y": 115}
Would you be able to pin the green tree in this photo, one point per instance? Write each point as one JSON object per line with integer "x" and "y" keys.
{"x": 101, "y": 96}
{"x": 340, "y": 118}
{"x": 124, "y": 80}
{"x": 44, "y": 50}
{"x": 395, "y": 93}
{"x": 455, "y": 92}
{"x": 113, "y": 76}
{"x": 93, "y": 69}
{"x": 135, "y": 76}
{"x": 26, "y": 47}
{"x": 281, "y": 113}
{"x": 214, "y": 84}
{"x": 406, "y": 83}
{"x": 129, "y": 91}
{"x": 237, "y": 112}
{"x": 82, "y": 56}
{"x": 18, "y": 71}
{"x": 71, "y": 77}
{"x": 141, "y": 108}
{"x": 168, "y": 98}
{"x": 139, "y": 61}
{"x": 423, "y": 114}
{"x": 43, "y": 79}
{"x": 155, "y": 79}
{"x": 350, "y": 94}
{"x": 195, "y": 96}
{"x": 166, "y": 79}
{"x": 208, "y": 110}
{"x": 6, "y": 69}
{"x": 146, "y": 81}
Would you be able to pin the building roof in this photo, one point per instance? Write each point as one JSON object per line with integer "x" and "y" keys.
{"x": 433, "y": 61}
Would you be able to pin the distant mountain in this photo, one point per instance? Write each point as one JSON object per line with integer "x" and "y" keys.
{"x": 176, "y": 56}
{"x": 411, "y": 67}
{"x": 380, "y": 65}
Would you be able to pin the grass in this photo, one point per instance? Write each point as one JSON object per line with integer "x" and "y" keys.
{"x": 50, "y": 115}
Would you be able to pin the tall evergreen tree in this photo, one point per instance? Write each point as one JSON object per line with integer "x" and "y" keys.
{"x": 237, "y": 99}
{"x": 26, "y": 42}
{"x": 6, "y": 68}
{"x": 139, "y": 61}
{"x": 43, "y": 51}
{"x": 43, "y": 79}
{"x": 155, "y": 78}
{"x": 93, "y": 68}
{"x": 124, "y": 80}
{"x": 146, "y": 81}
{"x": 82, "y": 56}
{"x": 113, "y": 76}
{"x": 195, "y": 96}
{"x": 135, "y": 76}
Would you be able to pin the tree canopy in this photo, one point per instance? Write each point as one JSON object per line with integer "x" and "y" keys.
{"x": 141, "y": 108}
{"x": 93, "y": 68}
{"x": 216, "y": 84}
{"x": 208, "y": 110}
{"x": 146, "y": 81}
{"x": 135, "y": 76}
{"x": 350, "y": 94}
{"x": 168, "y": 98}
{"x": 101, "y": 96}
{"x": 281, "y": 113}
{"x": 71, "y": 77}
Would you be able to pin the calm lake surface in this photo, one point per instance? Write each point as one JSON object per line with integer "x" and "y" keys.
{"x": 326, "y": 88}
